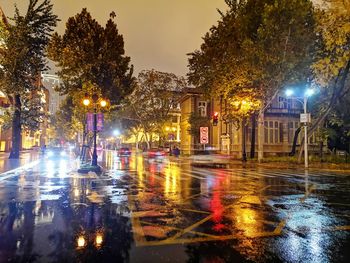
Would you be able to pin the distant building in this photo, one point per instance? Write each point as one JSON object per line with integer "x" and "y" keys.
{"x": 51, "y": 82}
{"x": 281, "y": 119}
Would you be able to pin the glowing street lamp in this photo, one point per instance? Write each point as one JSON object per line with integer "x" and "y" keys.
{"x": 305, "y": 118}
{"x": 86, "y": 101}
{"x": 116, "y": 132}
{"x": 103, "y": 103}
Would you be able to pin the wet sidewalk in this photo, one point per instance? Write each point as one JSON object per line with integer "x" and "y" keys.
{"x": 25, "y": 157}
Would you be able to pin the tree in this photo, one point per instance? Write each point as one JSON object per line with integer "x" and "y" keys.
{"x": 155, "y": 95}
{"x": 23, "y": 59}
{"x": 331, "y": 69}
{"x": 256, "y": 48}
{"x": 64, "y": 119}
{"x": 332, "y": 64}
{"x": 92, "y": 60}
{"x": 88, "y": 52}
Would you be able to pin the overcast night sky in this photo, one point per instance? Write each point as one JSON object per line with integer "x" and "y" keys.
{"x": 157, "y": 33}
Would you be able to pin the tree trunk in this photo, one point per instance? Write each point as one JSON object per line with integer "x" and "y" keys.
{"x": 16, "y": 128}
{"x": 261, "y": 136}
{"x": 300, "y": 156}
{"x": 295, "y": 139}
{"x": 321, "y": 150}
{"x": 147, "y": 141}
{"x": 252, "y": 143}
{"x": 137, "y": 142}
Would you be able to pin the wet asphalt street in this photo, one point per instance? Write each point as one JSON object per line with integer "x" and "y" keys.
{"x": 168, "y": 211}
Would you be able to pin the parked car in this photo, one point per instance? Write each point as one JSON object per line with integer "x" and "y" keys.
{"x": 56, "y": 153}
{"x": 209, "y": 158}
{"x": 124, "y": 152}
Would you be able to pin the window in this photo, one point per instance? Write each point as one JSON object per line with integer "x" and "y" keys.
{"x": 282, "y": 103}
{"x": 272, "y": 132}
{"x": 202, "y": 108}
{"x": 235, "y": 136}
{"x": 285, "y": 103}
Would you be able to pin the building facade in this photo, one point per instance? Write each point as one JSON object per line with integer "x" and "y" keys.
{"x": 279, "y": 124}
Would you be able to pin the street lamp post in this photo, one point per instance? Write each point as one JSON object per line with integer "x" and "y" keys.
{"x": 307, "y": 94}
{"x": 103, "y": 103}
{"x": 306, "y": 154}
{"x": 94, "y": 154}
{"x": 244, "y": 152}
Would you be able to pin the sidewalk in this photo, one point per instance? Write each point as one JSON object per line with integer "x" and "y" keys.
{"x": 25, "y": 157}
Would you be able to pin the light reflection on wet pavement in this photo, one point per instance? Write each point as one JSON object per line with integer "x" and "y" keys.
{"x": 168, "y": 211}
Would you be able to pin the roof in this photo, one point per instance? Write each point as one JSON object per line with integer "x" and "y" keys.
{"x": 188, "y": 92}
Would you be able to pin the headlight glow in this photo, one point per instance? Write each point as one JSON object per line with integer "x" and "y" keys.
{"x": 63, "y": 153}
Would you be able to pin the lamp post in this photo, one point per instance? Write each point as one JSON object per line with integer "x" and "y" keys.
{"x": 116, "y": 133}
{"x": 244, "y": 152}
{"x": 96, "y": 100}
{"x": 304, "y": 118}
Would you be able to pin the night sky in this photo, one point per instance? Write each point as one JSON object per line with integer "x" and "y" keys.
{"x": 157, "y": 33}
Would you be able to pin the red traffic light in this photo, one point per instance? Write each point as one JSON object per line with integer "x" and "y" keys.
{"x": 215, "y": 118}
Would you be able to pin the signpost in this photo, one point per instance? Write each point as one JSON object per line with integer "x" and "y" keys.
{"x": 204, "y": 138}
{"x": 305, "y": 117}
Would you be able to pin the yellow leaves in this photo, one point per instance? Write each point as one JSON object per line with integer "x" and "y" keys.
{"x": 244, "y": 106}
{"x": 334, "y": 27}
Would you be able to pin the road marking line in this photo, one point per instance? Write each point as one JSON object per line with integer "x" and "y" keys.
{"x": 184, "y": 231}
{"x": 195, "y": 211}
{"x": 202, "y": 239}
{"x": 176, "y": 228}
{"x": 10, "y": 172}
{"x": 191, "y": 175}
{"x": 281, "y": 225}
{"x": 138, "y": 234}
{"x": 338, "y": 228}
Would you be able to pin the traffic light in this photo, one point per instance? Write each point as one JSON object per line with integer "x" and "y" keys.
{"x": 215, "y": 118}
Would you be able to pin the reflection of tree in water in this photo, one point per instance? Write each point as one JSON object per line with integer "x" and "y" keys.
{"x": 18, "y": 243}
{"x": 62, "y": 238}
{"x": 8, "y": 237}
{"x": 213, "y": 252}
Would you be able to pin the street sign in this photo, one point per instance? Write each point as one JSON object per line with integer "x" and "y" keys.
{"x": 204, "y": 138}
{"x": 305, "y": 117}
